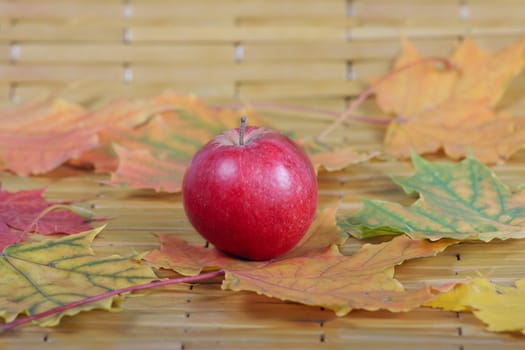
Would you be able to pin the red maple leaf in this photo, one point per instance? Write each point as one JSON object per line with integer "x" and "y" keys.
{"x": 22, "y": 212}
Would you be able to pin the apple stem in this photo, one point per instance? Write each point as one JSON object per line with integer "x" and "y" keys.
{"x": 241, "y": 130}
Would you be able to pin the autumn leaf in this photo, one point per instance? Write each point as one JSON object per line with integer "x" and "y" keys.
{"x": 41, "y": 276}
{"x": 8, "y": 236}
{"x": 461, "y": 201}
{"x": 140, "y": 168}
{"x": 313, "y": 276}
{"x": 22, "y": 212}
{"x": 364, "y": 280}
{"x": 189, "y": 260}
{"x": 500, "y": 307}
{"x": 327, "y": 158}
{"x": 339, "y": 159}
{"x": 453, "y": 109}
{"x": 115, "y": 121}
{"x": 38, "y": 138}
{"x": 322, "y": 233}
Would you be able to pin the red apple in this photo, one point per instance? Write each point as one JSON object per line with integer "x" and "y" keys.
{"x": 251, "y": 192}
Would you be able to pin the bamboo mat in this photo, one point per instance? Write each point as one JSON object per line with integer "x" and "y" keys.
{"x": 248, "y": 50}
{"x": 309, "y": 52}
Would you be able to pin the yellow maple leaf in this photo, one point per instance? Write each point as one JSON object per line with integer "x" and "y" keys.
{"x": 500, "y": 307}
{"x": 40, "y": 276}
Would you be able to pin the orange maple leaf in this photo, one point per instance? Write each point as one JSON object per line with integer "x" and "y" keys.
{"x": 315, "y": 273}
{"x": 453, "y": 109}
{"x": 327, "y": 158}
{"x": 142, "y": 168}
{"x": 39, "y": 137}
{"x": 115, "y": 121}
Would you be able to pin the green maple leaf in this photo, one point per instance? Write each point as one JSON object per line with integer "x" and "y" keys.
{"x": 37, "y": 277}
{"x": 464, "y": 201}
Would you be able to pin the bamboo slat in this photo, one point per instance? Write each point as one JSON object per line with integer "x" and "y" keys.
{"x": 57, "y": 31}
{"x": 492, "y": 10}
{"x": 5, "y": 52}
{"x": 405, "y": 9}
{"x": 276, "y": 90}
{"x": 56, "y": 9}
{"x": 262, "y": 72}
{"x": 353, "y": 50}
{"x": 54, "y": 73}
{"x": 153, "y": 10}
{"x": 179, "y": 33}
{"x": 79, "y": 53}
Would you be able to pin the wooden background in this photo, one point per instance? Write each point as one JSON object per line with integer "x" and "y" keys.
{"x": 306, "y": 52}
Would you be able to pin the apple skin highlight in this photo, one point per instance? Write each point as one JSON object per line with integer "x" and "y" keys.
{"x": 254, "y": 200}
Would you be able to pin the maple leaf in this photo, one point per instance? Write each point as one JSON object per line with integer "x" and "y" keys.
{"x": 41, "y": 276}
{"x": 140, "y": 168}
{"x": 115, "y": 120}
{"x": 460, "y": 201}
{"x": 500, "y": 307}
{"x": 38, "y": 138}
{"x": 453, "y": 109}
{"x": 339, "y": 159}
{"x": 321, "y": 234}
{"x": 8, "y": 236}
{"x": 319, "y": 275}
{"x": 22, "y": 212}
{"x": 327, "y": 158}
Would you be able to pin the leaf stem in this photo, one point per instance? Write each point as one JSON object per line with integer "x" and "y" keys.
{"x": 364, "y": 95}
{"x": 62, "y": 308}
